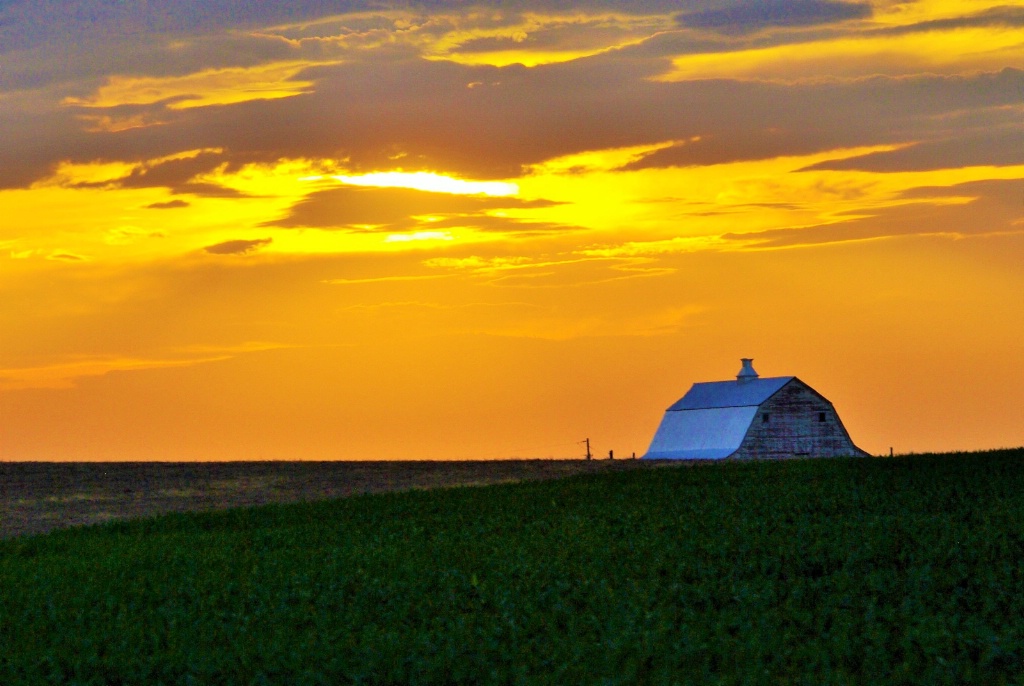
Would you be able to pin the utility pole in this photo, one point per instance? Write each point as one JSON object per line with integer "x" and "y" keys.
{"x": 587, "y": 441}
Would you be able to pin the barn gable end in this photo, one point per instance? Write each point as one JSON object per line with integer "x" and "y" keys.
{"x": 797, "y": 421}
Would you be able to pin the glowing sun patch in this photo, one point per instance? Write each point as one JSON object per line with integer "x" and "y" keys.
{"x": 429, "y": 181}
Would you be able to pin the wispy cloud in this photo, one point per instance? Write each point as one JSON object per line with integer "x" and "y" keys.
{"x": 202, "y": 89}
{"x": 382, "y": 279}
{"x": 63, "y": 256}
{"x": 660, "y": 322}
{"x": 238, "y": 247}
{"x": 168, "y": 205}
{"x": 753, "y": 15}
{"x": 961, "y": 211}
{"x": 67, "y": 373}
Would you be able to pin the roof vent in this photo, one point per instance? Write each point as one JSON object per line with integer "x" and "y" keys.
{"x": 747, "y": 373}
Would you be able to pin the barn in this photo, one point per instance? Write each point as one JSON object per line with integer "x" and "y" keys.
{"x": 751, "y": 418}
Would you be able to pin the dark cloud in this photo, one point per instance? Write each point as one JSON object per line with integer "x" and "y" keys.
{"x": 555, "y": 35}
{"x": 392, "y": 207}
{"x": 1008, "y": 192}
{"x": 752, "y": 15}
{"x": 745, "y": 36}
{"x": 34, "y": 142}
{"x": 1000, "y": 148}
{"x": 995, "y": 16}
{"x": 420, "y": 115}
{"x": 737, "y": 146}
{"x": 238, "y": 247}
{"x": 995, "y": 207}
{"x": 28, "y": 23}
{"x": 25, "y": 23}
{"x": 525, "y": 116}
{"x": 209, "y": 190}
{"x": 169, "y": 205}
{"x": 80, "y": 68}
{"x": 177, "y": 176}
{"x": 490, "y": 223}
{"x": 761, "y": 121}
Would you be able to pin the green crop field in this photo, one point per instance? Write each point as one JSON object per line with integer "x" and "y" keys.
{"x": 904, "y": 570}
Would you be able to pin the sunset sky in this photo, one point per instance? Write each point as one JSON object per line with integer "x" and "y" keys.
{"x": 444, "y": 230}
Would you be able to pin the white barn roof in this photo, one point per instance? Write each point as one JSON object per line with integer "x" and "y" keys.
{"x": 703, "y": 396}
{"x": 708, "y": 434}
{"x": 710, "y": 421}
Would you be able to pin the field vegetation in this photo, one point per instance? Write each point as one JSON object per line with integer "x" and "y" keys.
{"x": 896, "y": 571}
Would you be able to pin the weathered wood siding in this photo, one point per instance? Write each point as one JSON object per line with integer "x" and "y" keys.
{"x": 796, "y": 422}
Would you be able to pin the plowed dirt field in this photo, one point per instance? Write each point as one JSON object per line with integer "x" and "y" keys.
{"x": 36, "y": 497}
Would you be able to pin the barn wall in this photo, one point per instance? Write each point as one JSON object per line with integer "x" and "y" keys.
{"x": 793, "y": 428}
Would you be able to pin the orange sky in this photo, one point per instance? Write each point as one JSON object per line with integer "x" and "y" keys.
{"x": 444, "y": 231}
